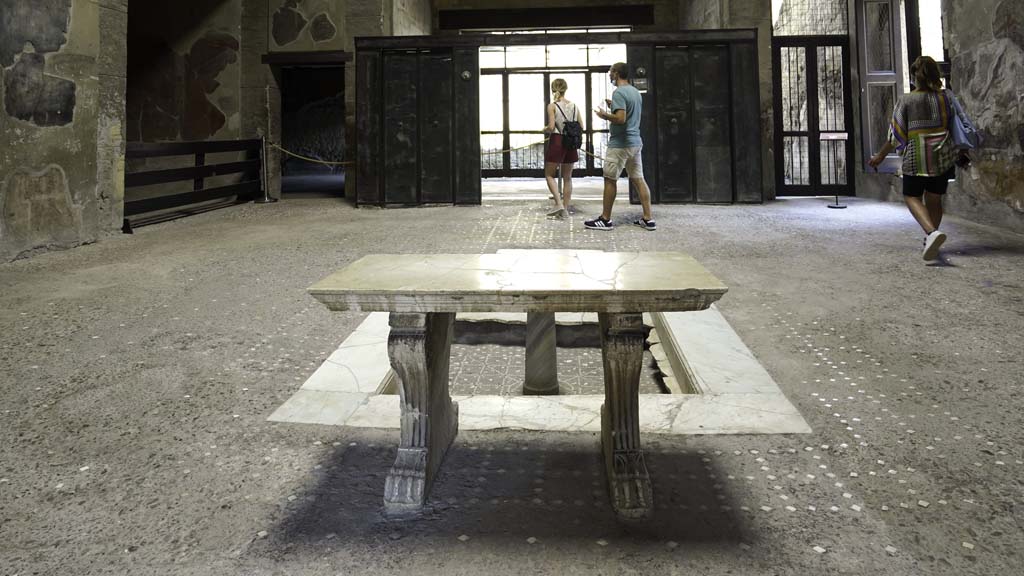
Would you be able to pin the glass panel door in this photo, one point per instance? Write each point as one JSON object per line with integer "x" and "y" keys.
{"x": 577, "y": 94}
{"x": 526, "y": 119}
{"x": 514, "y": 93}
{"x": 813, "y": 116}
{"x": 492, "y": 120}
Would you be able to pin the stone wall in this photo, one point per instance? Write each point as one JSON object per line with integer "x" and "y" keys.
{"x": 666, "y": 12}
{"x": 308, "y": 25}
{"x": 701, "y": 14}
{"x": 985, "y": 39}
{"x": 61, "y": 156}
{"x": 811, "y": 17}
{"x": 260, "y": 102}
{"x": 183, "y": 71}
{"x": 411, "y": 18}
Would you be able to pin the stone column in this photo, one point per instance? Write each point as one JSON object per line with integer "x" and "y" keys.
{"x": 541, "y": 355}
{"x": 622, "y": 341}
{"x": 419, "y": 347}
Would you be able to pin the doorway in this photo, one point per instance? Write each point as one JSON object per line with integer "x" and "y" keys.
{"x": 515, "y": 91}
{"x": 813, "y": 116}
{"x": 313, "y": 130}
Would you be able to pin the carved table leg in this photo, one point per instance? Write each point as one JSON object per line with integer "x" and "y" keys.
{"x": 622, "y": 341}
{"x": 541, "y": 355}
{"x": 419, "y": 347}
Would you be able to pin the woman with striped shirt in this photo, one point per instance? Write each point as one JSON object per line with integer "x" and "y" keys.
{"x": 920, "y": 132}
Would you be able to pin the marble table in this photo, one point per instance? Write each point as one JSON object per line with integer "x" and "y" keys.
{"x": 423, "y": 292}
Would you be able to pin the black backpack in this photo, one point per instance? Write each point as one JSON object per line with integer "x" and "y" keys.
{"x": 572, "y": 132}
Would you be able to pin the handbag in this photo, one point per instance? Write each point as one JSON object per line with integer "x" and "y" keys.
{"x": 961, "y": 129}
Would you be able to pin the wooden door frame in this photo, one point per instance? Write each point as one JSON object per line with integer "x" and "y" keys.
{"x": 814, "y": 187}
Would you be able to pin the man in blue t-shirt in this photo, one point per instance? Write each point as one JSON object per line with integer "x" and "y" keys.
{"x": 624, "y": 148}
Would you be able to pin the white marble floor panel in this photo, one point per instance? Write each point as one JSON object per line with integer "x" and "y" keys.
{"x": 736, "y": 394}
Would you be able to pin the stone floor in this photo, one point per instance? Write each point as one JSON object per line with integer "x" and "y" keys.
{"x": 136, "y": 376}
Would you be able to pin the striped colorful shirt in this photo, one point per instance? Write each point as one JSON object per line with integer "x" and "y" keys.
{"x": 920, "y": 132}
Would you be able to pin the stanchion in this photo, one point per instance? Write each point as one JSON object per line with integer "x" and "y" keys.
{"x": 837, "y": 205}
{"x": 266, "y": 198}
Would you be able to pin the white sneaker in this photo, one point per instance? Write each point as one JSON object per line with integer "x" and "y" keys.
{"x": 932, "y": 244}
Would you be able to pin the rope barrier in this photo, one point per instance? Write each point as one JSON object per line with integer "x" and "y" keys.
{"x": 350, "y": 163}
{"x": 584, "y": 150}
{"x": 307, "y": 158}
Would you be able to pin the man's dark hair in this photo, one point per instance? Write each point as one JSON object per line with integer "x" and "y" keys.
{"x": 622, "y": 69}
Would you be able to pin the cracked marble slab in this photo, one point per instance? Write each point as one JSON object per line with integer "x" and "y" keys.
{"x": 521, "y": 282}
{"x": 659, "y": 413}
{"x": 321, "y": 407}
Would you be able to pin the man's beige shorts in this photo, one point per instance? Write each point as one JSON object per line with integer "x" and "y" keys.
{"x": 618, "y": 158}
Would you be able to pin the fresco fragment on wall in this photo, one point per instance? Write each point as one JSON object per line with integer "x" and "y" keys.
{"x": 33, "y": 96}
{"x": 37, "y": 209}
{"x": 171, "y": 99}
{"x": 210, "y": 55}
{"x": 29, "y": 30}
{"x": 288, "y": 23}
{"x": 315, "y": 25}
{"x": 322, "y": 29}
{"x": 43, "y": 23}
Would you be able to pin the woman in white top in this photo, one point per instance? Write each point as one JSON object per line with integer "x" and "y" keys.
{"x": 560, "y": 111}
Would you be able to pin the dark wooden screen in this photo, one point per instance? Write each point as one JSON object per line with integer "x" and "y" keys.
{"x": 701, "y": 122}
{"x": 418, "y": 112}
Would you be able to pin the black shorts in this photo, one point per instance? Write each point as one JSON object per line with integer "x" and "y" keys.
{"x": 916, "y": 186}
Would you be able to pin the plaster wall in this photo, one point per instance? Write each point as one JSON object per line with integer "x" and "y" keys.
{"x": 184, "y": 74}
{"x": 61, "y": 62}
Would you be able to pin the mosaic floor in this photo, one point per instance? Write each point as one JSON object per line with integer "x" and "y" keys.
{"x": 480, "y": 369}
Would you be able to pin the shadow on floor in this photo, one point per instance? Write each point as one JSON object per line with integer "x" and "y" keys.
{"x": 551, "y": 491}
{"x": 961, "y": 249}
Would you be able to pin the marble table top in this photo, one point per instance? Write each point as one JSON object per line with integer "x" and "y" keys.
{"x": 522, "y": 281}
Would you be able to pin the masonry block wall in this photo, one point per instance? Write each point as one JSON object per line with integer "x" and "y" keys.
{"x": 61, "y": 122}
{"x": 985, "y": 39}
